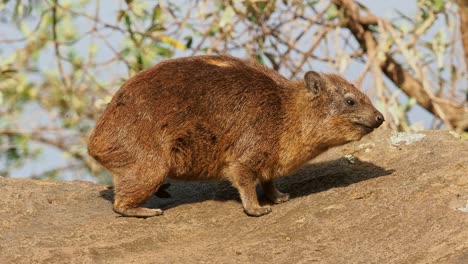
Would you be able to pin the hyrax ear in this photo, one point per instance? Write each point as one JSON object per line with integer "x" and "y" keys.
{"x": 314, "y": 82}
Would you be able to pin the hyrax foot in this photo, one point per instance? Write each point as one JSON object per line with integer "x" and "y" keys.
{"x": 273, "y": 194}
{"x": 278, "y": 198}
{"x": 259, "y": 211}
{"x": 138, "y": 212}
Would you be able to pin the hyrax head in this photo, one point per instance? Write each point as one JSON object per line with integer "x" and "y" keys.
{"x": 348, "y": 113}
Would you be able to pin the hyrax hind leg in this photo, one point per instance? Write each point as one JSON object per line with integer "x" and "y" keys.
{"x": 273, "y": 194}
{"x": 245, "y": 181}
{"x": 134, "y": 186}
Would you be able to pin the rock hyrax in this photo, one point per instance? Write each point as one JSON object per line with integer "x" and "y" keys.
{"x": 219, "y": 117}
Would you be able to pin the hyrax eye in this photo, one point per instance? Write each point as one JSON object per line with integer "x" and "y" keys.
{"x": 350, "y": 102}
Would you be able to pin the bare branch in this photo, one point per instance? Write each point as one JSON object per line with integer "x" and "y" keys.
{"x": 395, "y": 72}
{"x": 66, "y": 80}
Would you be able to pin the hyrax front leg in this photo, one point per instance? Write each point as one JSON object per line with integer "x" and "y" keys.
{"x": 133, "y": 188}
{"x": 273, "y": 194}
{"x": 245, "y": 181}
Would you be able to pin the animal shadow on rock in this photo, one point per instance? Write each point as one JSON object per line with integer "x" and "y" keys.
{"x": 311, "y": 178}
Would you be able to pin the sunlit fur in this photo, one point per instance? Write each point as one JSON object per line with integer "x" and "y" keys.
{"x": 211, "y": 117}
{"x": 317, "y": 123}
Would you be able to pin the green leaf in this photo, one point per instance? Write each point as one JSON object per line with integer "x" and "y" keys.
{"x": 261, "y": 6}
{"x": 438, "y": 5}
{"x": 313, "y": 3}
{"x": 189, "y": 41}
{"x": 12, "y": 154}
{"x": 409, "y": 104}
{"x": 156, "y": 27}
{"x": 24, "y": 29}
{"x": 157, "y": 12}
{"x": 120, "y": 15}
{"x": 165, "y": 52}
{"x": 128, "y": 21}
{"x": 139, "y": 59}
{"x": 424, "y": 14}
{"x": 213, "y": 30}
{"x": 125, "y": 52}
{"x": 332, "y": 12}
{"x": 227, "y": 16}
{"x": 260, "y": 59}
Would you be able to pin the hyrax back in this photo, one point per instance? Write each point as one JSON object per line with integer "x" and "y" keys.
{"x": 211, "y": 117}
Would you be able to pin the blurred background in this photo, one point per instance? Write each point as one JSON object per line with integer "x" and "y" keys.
{"x": 61, "y": 62}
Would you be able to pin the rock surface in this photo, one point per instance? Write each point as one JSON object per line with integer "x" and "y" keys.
{"x": 384, "y": 199}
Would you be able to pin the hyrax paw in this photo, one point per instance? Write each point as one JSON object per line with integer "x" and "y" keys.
{"x": 258, "y": 211}
{"x": 147, "y": 212}
{"x": 284, "y": 197}
{"x": 138, "y": 212}
{"x": 278, "y": 198}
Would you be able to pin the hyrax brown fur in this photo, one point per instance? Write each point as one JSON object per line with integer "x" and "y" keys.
{"x": 219, "y": 117}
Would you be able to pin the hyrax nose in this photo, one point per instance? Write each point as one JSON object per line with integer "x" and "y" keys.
{"x": 379, "y": 119}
